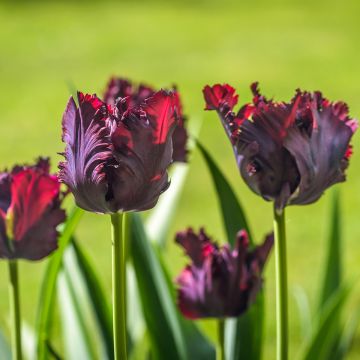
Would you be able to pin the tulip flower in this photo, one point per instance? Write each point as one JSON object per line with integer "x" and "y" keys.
{"x": 289, "y": 153}
{"x": 30, "y": 212}
{"x": 116, "y": 159}
{"x": 219, "y": 282}
{"x": 137, "y": 94}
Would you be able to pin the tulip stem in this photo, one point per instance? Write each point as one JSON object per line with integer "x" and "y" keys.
{"x": 220, "y": 352}
{"x": 281, "y": 286}
{"x": 15, "y": 310}
{"x": 119, "y": 284}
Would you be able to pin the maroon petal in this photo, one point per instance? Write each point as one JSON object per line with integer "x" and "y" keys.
{"x": 29, "y": 230}
{"x": 286, "y": 152}
{"x": 122, "y": 88}
{"x": 321, "y": 157}
{"x": 88, "y": 150}
{"x": 143, "y": 151}
{"x": 219, "y": 282}
{"x": 265, "y": 164}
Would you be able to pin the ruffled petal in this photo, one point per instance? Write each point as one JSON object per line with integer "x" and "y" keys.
{"x": 86, "y": 133}
{"x": 219, "y": 282}
{"x": 28, "y": 229}
{"x": 143, "y": 151}
{"x": 321, "y": 157}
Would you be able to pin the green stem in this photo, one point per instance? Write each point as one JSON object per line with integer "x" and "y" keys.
{"x": 119, "y": 285}
{"x": 15, "y": 310}
{"x": 281, "y": 286}
{"x": 220, "y": 351}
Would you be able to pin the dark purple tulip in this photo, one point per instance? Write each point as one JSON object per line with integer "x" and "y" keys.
{"x": 219, "y": 282}
{"x": 117, "y": 157}
{"x": 137, "y": 94}
{"x": 30, "y": 200}
{"x": 286, "y": 152}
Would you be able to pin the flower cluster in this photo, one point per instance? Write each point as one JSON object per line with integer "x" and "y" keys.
{"x": 289, "y": 152}
{"x": 219, "y": 282}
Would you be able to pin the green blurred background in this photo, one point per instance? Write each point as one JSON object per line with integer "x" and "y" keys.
{"x": 284, "y": 45}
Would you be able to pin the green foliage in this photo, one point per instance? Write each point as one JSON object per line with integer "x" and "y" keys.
{"x": 5, "y": 351}
{"x": 158, "y": 308}
{"x": 99, "y": 301}
{"x": 48, "y": 288}
{"x": 243, "y": 336}
{"x": 332, "y": 277}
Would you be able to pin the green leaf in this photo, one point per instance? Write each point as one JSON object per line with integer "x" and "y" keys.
{"x": 319, "y": 344}
{"x": 159, "y": 310}
{"x": 197, "y": 345}
{"x": 303, "y": 306}
{"x": 97, "y": 297}
{"x": 233, "y": 215}
{"x": 5, "y": 351}
{"x": 243, "y": 336}
{"x": 348, "y": 335}
{"x": 159, "y": 221}
{"x": 332, "y": 276}
{"x": 48, "y": 287}
{"x": 76, "y": 334}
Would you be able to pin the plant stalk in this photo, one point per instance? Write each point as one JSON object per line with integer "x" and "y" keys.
{"x": 119, "y": 285}
{"x": 15, "y": 310}
{"x": 281, "y": 286}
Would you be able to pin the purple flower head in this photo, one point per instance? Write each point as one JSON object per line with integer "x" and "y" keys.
{"x": 136, "y": 95}
{"x": 116, "y": 157}
{"x": 30, "y": 200}
{"x": 289, "y": 152}
{"x": 219, "y": 282}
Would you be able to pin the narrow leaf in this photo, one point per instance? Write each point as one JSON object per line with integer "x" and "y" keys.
{"x": 48, "y": 287}
{"x": 302, "y": 302}
{"x": 332, "y": 277}
{"x": 77, "y": 340}
{"x": 233, "y": 214}
{"x": 5, "y": 352}
{"x": 158, "y": 308}
{"x": 348, "y": 335}
{"x": 159, "y": 221}
{"x": 243, "y": 336}
{"x": 97, "y": 297}
{"x": 197, "y": 345}
{"x": 160, "y": 218}
{"x": 319, "y": 344}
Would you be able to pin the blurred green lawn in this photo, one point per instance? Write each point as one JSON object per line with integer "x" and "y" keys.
{"x": 312, "y": 45}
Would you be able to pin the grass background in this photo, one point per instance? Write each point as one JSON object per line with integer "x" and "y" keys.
{"x": 284, "y": 45}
